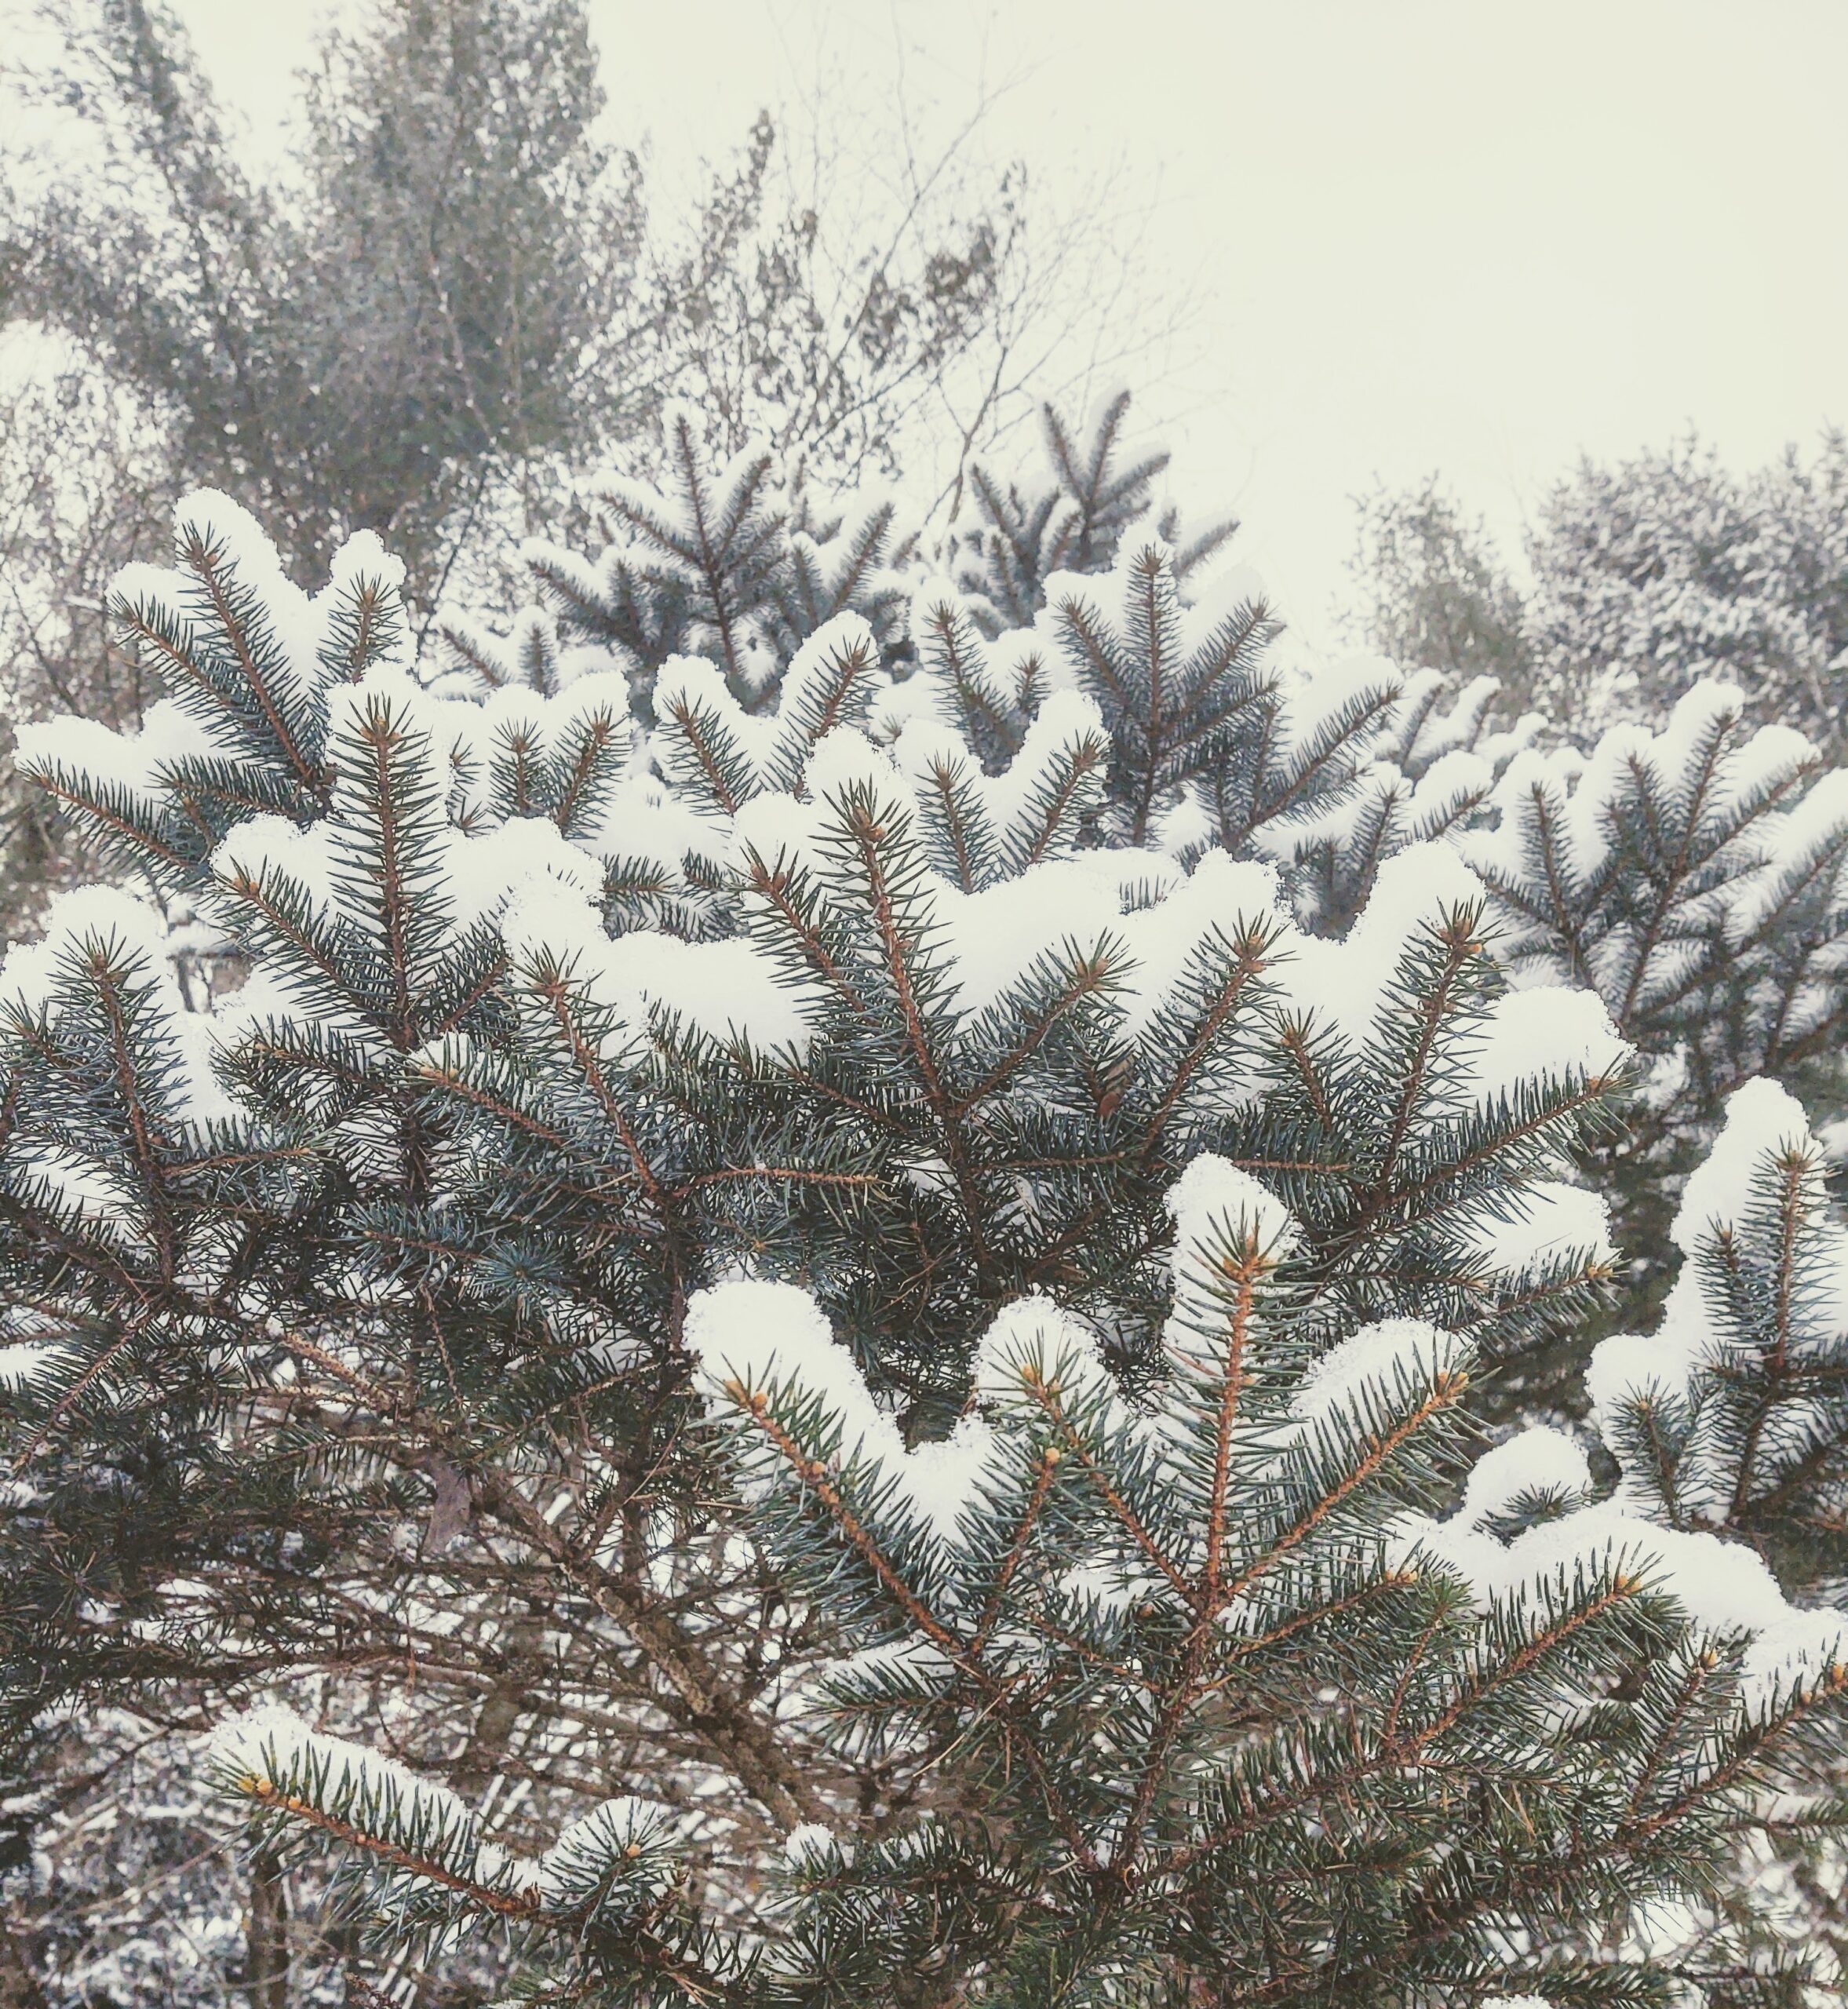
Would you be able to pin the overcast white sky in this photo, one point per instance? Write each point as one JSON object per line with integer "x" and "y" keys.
{"x": 1473, "y": 235}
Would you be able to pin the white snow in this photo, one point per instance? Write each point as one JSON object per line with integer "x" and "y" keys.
{"x": 640, "y": 820}
{"x": 1219, "y": 898}
{"x": 363, "y": 558}
{"x": 20, "y": 1362}
{"x": 723, "y": 990}
{"x": 102, "y": 913}
{"x": 1345, "y": 983}
{"x": 1067, "y": 720}
{"x": 993, "y": 938}
{"x": 772, "y": 1337}
{"x": 1215, "y": 1202}
{"x": 1379, "y": 1357}
{"x": 810, "y": 698}
{"x": 1317, "y": 697}
{"x": 262, "y": 846}
{"x": 809, "y": 1845}
{"x": 692, "y": 684}
{"x": 1539, "y": 1460}
{"x": 1548, "y": 1217}
{"x": 1723, "y": 1587}
{"x": 109, "y": 915}
{"x": 1762, "y": 1119}
{"x": 271, "y": 1744}
{"x": 1547, "y": 1030}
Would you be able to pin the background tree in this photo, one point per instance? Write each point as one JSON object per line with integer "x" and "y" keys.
{"x": 81, "y": 480}
{"x": 1661, "y": 570}
{"x": 1433, "y": 592}
{"x": 1646, "y": 577}
{"x": 423, "y": 308}
{"x": 455, "y": 298}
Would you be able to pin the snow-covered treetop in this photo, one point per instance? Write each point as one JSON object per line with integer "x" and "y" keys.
{"x": 490, "y": 902}
{"x": 1690, "y": 871}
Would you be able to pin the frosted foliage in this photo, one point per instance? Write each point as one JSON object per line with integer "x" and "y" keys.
{"x": 1317, "y": 696}
{"x": 992, "y": 939}
{"x": 1538, "y": 1461}
{"x": 822, "y": 1223}
{"x": 770, "y": 1343}
{"x": 269, "y": 1754}
{"x": 1727, "y": 1414}
{"x": 131, "y": 761}
{"x": 1763, "y": 1120}
{"x": 1218, "y": 899}
{"x": 306, "y": 630}
{"x": 127, "y": 932}
{"x": 1661, "y": 570}
{"x": 773, "y": 1339}
{"x": 809, "y": 1845}
{"x": 1550, "y": 1219}
{"x": 1214, "y": 1198}
{"x": 1764, "y": 1124}
{"x": 1755, "y": 829}
{"x": 99, "y": 913}
{"x": 1548, "y": 1030}
{"x": 1347, "y": 982}
{"x": 1723, "y": 1587}
{"x": 1377, "y": 1357}
{"x": 269, "y": 1741}
{"x": 719, "y": 989}
{"x": 569, "y": 1873}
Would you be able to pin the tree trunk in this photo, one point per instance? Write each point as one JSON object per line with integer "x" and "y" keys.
{"x": 266, "y": 1951}
{"x": 20, "y": 1985}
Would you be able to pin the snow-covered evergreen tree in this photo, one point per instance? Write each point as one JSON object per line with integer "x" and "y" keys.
{"x": 1435, "y": 762}
{"x": 1688, "y": 873}
{"x": 723, "y": 561}
{"x": 1732, "y": 1415}
{"x": 1660, "y": 572}
{"x": 1212, "y": 741}
{"x": 1014, "y": 534}
{"x": 857, "y": 1360}
{"x": 1694, "y": 877}
{"x": 1172, "y": 1701}
{"x": 1649, "y": 577}
{"x": 1729, "y": 1418}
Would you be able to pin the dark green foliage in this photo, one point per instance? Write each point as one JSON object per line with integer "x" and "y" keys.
{"x": 366, "y": 355}
{"x": 719, "y": 563}
{"x": 1693, "y": 876}
{"x": 1011, "y": 540}
{"x": 1130, "y": 1273}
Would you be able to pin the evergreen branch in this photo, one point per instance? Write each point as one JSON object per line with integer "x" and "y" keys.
{"x": 1448, "y": 1387}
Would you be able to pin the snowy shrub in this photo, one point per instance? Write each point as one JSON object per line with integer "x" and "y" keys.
{"x": 1180, "y": 1691}
{"x": 1694, "y": 876}
{"x": 888, "y": 1342}
{"x": 1689, "y": 872}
